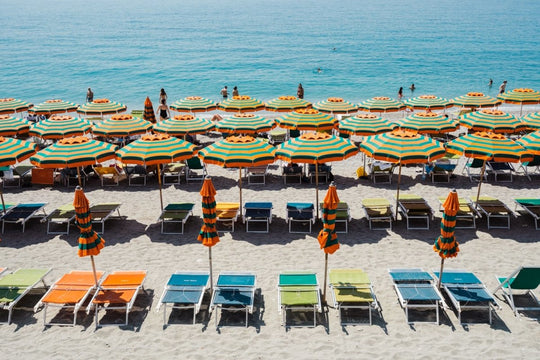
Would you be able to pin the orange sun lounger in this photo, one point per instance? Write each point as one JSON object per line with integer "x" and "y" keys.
{"x": 69, "y": 292}
{"x": 118, "y": 291}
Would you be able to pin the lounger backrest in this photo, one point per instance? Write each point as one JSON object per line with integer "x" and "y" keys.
{"x": 528, "y": 278}
{"x": 194, "y": 163}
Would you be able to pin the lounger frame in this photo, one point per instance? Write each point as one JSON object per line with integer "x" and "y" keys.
{"x": 533, "y": 210}
{"x": 104, "y": 211}
{"x": 6, "y": 218}
{"x": 226, "y": 213}
{"x": 304, "y": 215}
{"x": 494, "y": 209}
{"x": 316, "y": 307}
{"x": 174, "y": 216}
{"x": 60, "y": 217}
{"x": 258, "y": 212}
{"x": 387, "y": 217}
{"x": 249, "y": 289}
{"x": 415, "y": 209}
{"x": 505, "y": 286}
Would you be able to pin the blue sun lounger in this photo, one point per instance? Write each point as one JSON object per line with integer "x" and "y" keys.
{"x": 21, "y": 213}
{"x": 234, "y": 291}
{"x": 184, "y": 290}
{"x": 260, "y": 212}
{"x": 300, "y": 213}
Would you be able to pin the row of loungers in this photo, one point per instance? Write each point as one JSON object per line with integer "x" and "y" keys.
{"x": 235, "y": 291}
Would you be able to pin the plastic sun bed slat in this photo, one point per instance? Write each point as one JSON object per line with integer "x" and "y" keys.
{"x": 102, "y": 212}
{"x": 176, "y": 213}
{"x": 531, "y": 207}
{"x": 522, "y": 281}
{"x": 21, "y": 213}
{"x": 234, "y": 291}
{"x": 298, "y": 291}
{"x": 258, "y": 212}
{"x": 63, "y": 215}
{"x": 414, "y": 207}
{"x": 378, "y": 210}
{"x": 227, "y": 213}
{"x": 493, "y": 208}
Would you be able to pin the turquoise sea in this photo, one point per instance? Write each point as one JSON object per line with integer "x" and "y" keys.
{"x": 128, "y": 49}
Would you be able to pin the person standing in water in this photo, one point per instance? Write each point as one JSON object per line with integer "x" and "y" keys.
{"x": 400, "y": 93}
{"x": 163, "y": 110}
{"x": 235, "y": 91}
{"x": 412, "y": 88}
{"x": 300, "y": 92}
{"x": 89, "y": 95}
{"x": 162, "y": 96}
{"x": 502, "y": 88}
{"x": 490, "y": 84}
{"x": 225, "y": 93}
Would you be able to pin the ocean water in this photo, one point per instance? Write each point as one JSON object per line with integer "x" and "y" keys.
{"x": 126, "y": 50}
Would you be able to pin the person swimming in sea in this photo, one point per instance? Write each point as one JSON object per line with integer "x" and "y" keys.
{"x": 412, "y": 88}
{"x": 319, "y": 70}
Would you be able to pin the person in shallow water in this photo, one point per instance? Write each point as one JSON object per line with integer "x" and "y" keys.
{"x": 300, "y": 92}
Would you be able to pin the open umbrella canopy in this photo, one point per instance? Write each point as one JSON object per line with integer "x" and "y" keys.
{"x": 532, "y": 120}
{"x": 241, "y": 103}
{"x": 531, "y": 142}
{"x": 12, "y": 126}
{"x": 60, "y": 126}
{"x": 120, "y": 126}
{"x": 307, "y": 119}
{"x": 492, "y": 120}
{"x": 428, "y": 123}
{"x": 11, "y": 105}
{"x": 446, "y": 245}
{"x": 365, "y": 125}
{"x": 181, "y": 125}
{"x": 194, "y": 104}
{"x": 149, "y": 114}
{"x": 335, "y": 105}
{"x": 381, "y": 104}
{"x": 286, "y": 104}
{"x": 55, "y": 106}
{"x": 155, "y": 149}
{"x": 520, "y": 96}
{"x": 14, "y": 150}
{"x": 245, "y": 123}
{"x": 476, "y": 100}
{"x": 238, "y": 151}
{"x": 101, "y": 107}
{"x": 428, "y": 102}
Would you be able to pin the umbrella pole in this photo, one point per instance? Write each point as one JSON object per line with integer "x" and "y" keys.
{"x": 79, "y": 176}
{"x": 440, "y": 273}
{"x": 210, "y": 262}
{"x": 94, "y": 270}
{"x": 240, "y": 185}
{"x": 325, "y": 276}
{"x": 3, "y": 203}
{"x": 317, "y": 188}
{"x": 397, "y": 196}
{"x": 160, "y": 188}
{"x": 480, "y": 184}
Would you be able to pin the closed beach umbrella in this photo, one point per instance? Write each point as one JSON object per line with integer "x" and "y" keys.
{"x": 492, "y": 120}
{"x": 307, "y": 119}
{"x": 531, "y": 142}
{"x": 121, "y": 126}
{"x": 11, "y": 105}
{"x": 240, "y": 152}
{"x": 327, "y": 236}
{"x": 245, "y": 123}
{"x": 476, "y": 100}
{"x": 194, "y": 104}
{"x": 90, "y": 242}
{"x": 60, "y": 126}
{"x": 14, "y": 150}
{"x": 12, "y": 126}
{"x": 521, "y": 96}
{"x": 365, "y": 125}
{"x": 208, "y": 234}
{"x": 182, "y": 125}
{"x": 381, "y": 104}
{"x": 335, "y": 105}
{"x": 428, "y": 123}
{"x": 241, "y": 103}
{"x": 149, "y": 114}
{"x": 287, "y": 104}
{"x": 402, "y": 147}
{"x": 532, "y": 120}
{"x": 55, "y": 106}
{"x": 446, "y": 245}
{"x": 101, "y": 107}
{"x": 428, "y": 102}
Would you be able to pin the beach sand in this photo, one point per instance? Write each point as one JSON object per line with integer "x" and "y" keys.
{"x": 136, "y": 244}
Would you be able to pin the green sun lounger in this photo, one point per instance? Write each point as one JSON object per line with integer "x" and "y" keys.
{"x": 378, "y": 210}
{"x": 175, "y": 213}
{"x": 524, "y": 280}
{"x": 298, "y": 291}
{"x": 531, "y": 207}
{"x": 63, "y": 215}
{"x": 102, "y": 212}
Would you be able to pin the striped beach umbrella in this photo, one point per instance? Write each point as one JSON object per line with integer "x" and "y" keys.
{"x": 428, "y": 102}
{"x": 240, "y": 152}
{"x": 90, "y": 242}
{"x": 55, "y": 106}
{"x": 101, "y": 107}
{"x": 287, "y": 104}
{"x": 15, "y": 150}
{"x": 60, "y": 126}
{"x": 241, "y": 103}
{"x": 335, "y": 105}
{"x": 182, "y": 125}
{"x": 446, "y": 245}
{"x": 11, "y": 105}
{"x": 365, "y": 125}
{"x": 149, "y": 114}
{"x": 476, "y": 100}
{"x": 208, "y": 234}
{"x": 381, "y": 104}
{"x": 531, "y": 142}
{"x": 428, "y": 123}
{"x": 532, "y": 120}
{"x": 492, "y": 120}
{"x": 307, "y": 119}
{"x": 521, "y": 96}
{"x": 194, "y": 104}
{"x": 121, "y": 126}
{"x": 327, "y": 237}
{"x": 12, "y": 126}
{"x": 245, "y": 123}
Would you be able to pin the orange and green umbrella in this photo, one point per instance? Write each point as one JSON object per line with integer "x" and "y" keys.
{"x": 101, "y": 107}
{"x": 381, "y": 104}
{"x": 335, "y": 105}
{"x": 245, "y": 123}
{"x": 208, "y": 234}
{"x": 55, "y": 106}
{"x": 12, "y": 126}
{"x": 476, "y": 100}
{"x": 532, "y": 120}
{"x": 241, "y": 103}
{"x": 11, "y": 105}
{"x": 182, "y": 125}
{"x": 15, "y": 150}
{"x": 307, "y": 119}
{"x": 287, "y": 104}
{"x": 428, "y": 102}
{"x": 428, "y": 123}
{"x": 521, "y": 96}
{"x": 446, "y": 245}
{"x": 531, "y": 142}
{"x": 121, "y": 126}
{"x": 194, "y": 104}
{"x": 492, "y": 120}
{"x": 365, "y": 125}
{"x": 149, "y": 114}
{"x": 60, "y": 126}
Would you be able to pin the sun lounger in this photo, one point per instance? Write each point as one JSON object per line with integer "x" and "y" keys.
{"x": 7, "y": 206}
{"x": 343, "y": 216}
{"x": 102, "y": 212}
{"x": 16, "y": 175}
{"x": 378, "y": 210}
{"x": 352, "y": 289}
{"x": 195, "y": 170}
{"x": 414, "y": 208}
{"x": 442, "y": 171}
{"x": 324, "y": 173}
{"x": 473, "y": 167}
{"x": 234, "y": 291}
{"x": 300, "y": 213}
{"x": 14, "y": 286}
{"x": 136, "y": 175}
{"x": 292, "y": 172}
{"x": 63, "y": 215}
{"x": 227, "y": 213}
{"x": 69, "y": 292}
{"x": 118, "y": 291}
{"x": 531, "y": 207}
{"x": 258, "y": 212}
{"x": 531, "y": 168}
{"x": 175, "y": 213}
{"x": 172, "y": 173}
{"x": 299, "y": 291}
{"x": 524, "y": 279}
{"x": 256, "y": 174}
{"x": 467, "y": 292}
{"x": 502, "y": 171}
{"x": 109, "y": 175}
{"x": 381, "y": 172}
{"x": 494, "y": 209}
{"x": 277, "y": 136}
{"x": 415, "y": 290}
{"x": 466, "y": 215}
{"x": 21, "y": 213}
{"x": 184, "y": 290}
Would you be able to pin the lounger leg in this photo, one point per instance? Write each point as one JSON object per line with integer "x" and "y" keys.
{"x": 370, "y": 316}
{"x": 165, "y": 314}
{"x": 314, "y": 316}
{"x": 437, "y": 312}
{"x": 247, "y": 313}
{"x": 194, "y": 315}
